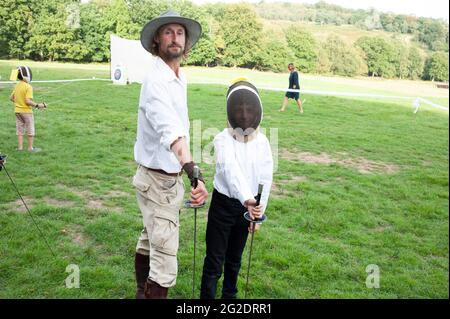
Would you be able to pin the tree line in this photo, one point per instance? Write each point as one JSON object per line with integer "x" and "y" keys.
{"x": 234, "y": 35}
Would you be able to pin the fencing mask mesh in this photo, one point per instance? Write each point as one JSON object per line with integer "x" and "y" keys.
{"x": 244, "y": 107}
{"x": 25, "y": 73}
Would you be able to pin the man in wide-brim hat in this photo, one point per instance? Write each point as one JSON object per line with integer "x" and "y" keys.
{"x": 149, "y": 33}
{"x": 162, "y": 152}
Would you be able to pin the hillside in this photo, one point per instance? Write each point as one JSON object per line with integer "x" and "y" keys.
{"x": 349, "y": 33}
{"x": 323, "y": 18}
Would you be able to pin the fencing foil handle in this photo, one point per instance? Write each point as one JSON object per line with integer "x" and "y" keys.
{"x": 195, "y": 174}
{"x": 260, "y": 190}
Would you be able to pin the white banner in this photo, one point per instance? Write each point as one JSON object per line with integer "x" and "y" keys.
{"x": 129, "y": 60}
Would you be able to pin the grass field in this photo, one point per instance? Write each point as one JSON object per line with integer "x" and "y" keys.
{"x": 363, "y": 85}
{"x": 357, "y": 183}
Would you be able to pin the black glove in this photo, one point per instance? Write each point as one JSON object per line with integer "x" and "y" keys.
{"x": 2, "y": 161}
{"x": 189, "y": 169}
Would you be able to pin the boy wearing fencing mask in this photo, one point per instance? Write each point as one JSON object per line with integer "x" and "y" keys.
{"x": 243, "y": 161}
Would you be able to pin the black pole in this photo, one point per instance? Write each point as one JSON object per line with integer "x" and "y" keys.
{"x": 26, "y": 207}
{"x": 195, "y": 244}
{"x": 195, "y": 184}
{"x": 252, "y": 228}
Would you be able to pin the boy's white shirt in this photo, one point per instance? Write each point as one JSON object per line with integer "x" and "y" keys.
{"x": 240, "y": 167}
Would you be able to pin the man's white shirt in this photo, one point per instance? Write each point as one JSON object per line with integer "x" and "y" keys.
{"x": 162, "y": 117}
{"x": 240, "y": 167}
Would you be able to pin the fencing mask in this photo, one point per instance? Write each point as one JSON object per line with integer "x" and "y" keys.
{"x": 244, "y": 107}
{"x": 25, "y": 74}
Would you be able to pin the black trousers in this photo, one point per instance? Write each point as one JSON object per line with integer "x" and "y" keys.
{"x": 226, "y": 235}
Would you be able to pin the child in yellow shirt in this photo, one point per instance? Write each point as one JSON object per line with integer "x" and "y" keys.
{"x": 22, "y": 97}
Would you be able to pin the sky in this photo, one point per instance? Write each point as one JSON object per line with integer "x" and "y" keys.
{"x": 419, "y": 8}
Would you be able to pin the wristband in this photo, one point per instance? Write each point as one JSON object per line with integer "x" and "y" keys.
{"x": 189, "y": 169}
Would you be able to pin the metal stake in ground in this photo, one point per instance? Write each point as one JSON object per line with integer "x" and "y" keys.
{"x": 2, "y": 166}
{"x": 188, "y": 204}
{"x": 252, "y": 227}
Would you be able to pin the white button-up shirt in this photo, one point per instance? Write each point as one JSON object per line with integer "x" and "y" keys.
{"x": 240, "y": 167}
{"x": 162, "y": 117}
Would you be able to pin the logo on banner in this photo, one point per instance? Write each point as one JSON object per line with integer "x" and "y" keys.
{"x": 117, "y": 74}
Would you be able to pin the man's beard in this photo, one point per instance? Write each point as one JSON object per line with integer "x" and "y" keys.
{"x": 174, "y": 55}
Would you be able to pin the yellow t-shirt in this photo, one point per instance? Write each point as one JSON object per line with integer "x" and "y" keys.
{"x": 22, "y": 91}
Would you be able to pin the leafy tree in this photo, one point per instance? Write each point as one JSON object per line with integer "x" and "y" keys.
{"x": 54, "y": 36}
{"x": 274, "y": 55}
{"x": 358, "y": 17}
{"x": 16, "y": 16}
{"x": 323, "y": 65}
{"x": 400, "y": 58}
{"x": 433, "y": 33}
{"x": 412, "y": 24}
{"x": 142, "y": 11}
{"x": 95, "y": 28}
{"x": 344, "y": 59}
{"x": 241, "y": 32}
{"x": 400, "y": 24}
{"x": 416, "y": 64}
{"x": 380, "y": 56}
{"x": 216, "y": 35}
{"x": 371, "y": 22}
{"x": 123, "y": 25}
{"x": 215, "y": 10}
{"x": 436, "y": 67}
{"x": 304, "y": 48}
{"x": 203, "y": 53}
{"x": 387, "y": 21}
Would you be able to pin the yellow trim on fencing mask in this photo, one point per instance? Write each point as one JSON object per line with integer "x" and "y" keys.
{"x": 14, "y": 74}
{"x": 239, "y": 79}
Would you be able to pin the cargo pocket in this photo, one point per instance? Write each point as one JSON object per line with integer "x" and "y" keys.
{"x": 169, "y": 184}
{"x": 167, "y": 191}
{"x": 165, "y": 234}
{"x": 140, "y": 185}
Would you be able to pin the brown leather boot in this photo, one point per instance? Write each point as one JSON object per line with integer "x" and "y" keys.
{"x": 141, "y": 267}
{"x": 154, "y": 291}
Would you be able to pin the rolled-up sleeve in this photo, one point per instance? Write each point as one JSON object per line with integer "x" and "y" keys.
{"x": 162, "y": 115}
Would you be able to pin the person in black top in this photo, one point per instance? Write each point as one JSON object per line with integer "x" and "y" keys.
{"x": 293, "y": 84}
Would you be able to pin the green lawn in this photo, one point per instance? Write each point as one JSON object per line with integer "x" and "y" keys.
{"x": 381, "y": 199}
{"x": 390, "y": 89}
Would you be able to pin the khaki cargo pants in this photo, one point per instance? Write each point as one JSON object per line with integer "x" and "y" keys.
{"x": 159, "y": 198}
